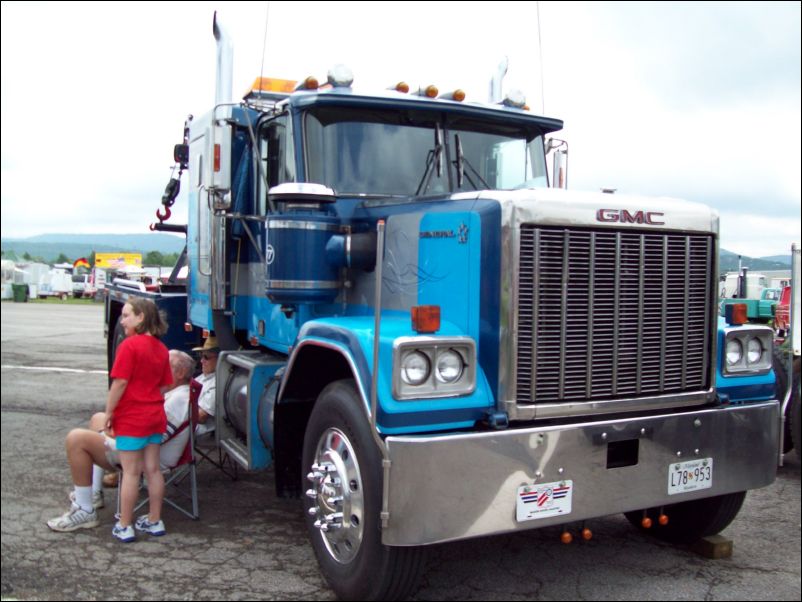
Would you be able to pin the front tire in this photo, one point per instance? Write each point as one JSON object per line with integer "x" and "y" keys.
{"x": 343, "y": 502}
{"x": 690, "y": 521}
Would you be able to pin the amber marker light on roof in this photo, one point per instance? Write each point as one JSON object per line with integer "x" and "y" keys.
{"x": 310, "y": 83}
{"x": 429, "y": 91}
{"x": 402, "y": 87}
{"x": 457, "y": 95}
{"x": 272, "y": 84}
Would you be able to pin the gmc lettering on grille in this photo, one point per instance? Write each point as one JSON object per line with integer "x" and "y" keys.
{"x": 624, "y": 216}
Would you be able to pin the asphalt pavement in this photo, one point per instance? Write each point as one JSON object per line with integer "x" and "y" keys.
{"x": 249, "y": 544}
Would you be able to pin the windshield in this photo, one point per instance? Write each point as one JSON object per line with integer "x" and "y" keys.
{"x": 408, "y": 153}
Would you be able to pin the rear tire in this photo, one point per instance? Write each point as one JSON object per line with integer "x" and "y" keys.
{"x": 345, "y": 479}
{"x": 690, "y": 521}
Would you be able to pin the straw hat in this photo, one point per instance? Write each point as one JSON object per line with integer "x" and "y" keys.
{"x": 210, "y": 344}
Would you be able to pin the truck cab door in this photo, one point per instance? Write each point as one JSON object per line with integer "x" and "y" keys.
{"x": 209, "y": 191}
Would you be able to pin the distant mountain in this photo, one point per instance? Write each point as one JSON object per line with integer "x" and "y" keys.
{"x": 728, "y": 262}
{"x": 49, "y": 246}
{"x": 783, "y": 259}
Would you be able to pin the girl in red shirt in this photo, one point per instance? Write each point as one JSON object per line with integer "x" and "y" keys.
{"x": 135, "y": 410}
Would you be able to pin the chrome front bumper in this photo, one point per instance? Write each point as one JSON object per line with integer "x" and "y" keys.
{"x": 445, "y": 488}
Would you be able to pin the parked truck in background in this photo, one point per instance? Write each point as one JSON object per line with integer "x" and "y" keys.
{"x": 786, "y": 359}
{"x": 760, "y": 309}
{"x": 429, "y": 343}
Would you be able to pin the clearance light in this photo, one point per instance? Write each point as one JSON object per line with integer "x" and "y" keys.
{"x": 457, "y": 95}
{"x": 272, "y": 84}
{"x": 310, "y": 83}
{"x": 402, "y": 87}
{"x": 735, "y": 314}
{"x": 205, "y": 334}
{"x": 187, "y": 327}
{"x": 429, "y": 91}
{"x": 340, "y": 76}
{"x": 426, "y": 318}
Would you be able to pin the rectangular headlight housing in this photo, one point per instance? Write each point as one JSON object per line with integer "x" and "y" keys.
{"x": 430, "y": 366}
{"x": 747, "y": 350}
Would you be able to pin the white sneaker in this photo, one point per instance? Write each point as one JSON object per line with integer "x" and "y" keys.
{"x": 97, "y": 499}
{"x": 143, "y": 524}
{"x": 124, "y": 534}
{"x": 76, "y": 518}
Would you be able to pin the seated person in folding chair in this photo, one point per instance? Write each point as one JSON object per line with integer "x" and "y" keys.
{"x": 204, "y": 431}
{"x": 97, "y": 449}
{"x": 208, "y": 360}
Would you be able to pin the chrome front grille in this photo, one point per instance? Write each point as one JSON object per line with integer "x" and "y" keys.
{"x": 612, "y": 314}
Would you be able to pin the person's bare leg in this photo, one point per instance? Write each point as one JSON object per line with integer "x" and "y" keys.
{"x": 155, "y": 479}
{"x": 98, "y": 422}
{"x": 84, "y": 448}
{"x": 132, "y": 462}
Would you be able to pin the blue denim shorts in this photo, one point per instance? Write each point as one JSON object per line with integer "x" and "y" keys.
{"x": 137, "y": 443}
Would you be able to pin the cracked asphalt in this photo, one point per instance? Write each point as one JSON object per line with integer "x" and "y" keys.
{"x": 250, "y": 545}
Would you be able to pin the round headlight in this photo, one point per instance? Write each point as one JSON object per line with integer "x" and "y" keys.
{"x": 735, "y": 351}
{"x": 754, "y": 351}
{"x": 415, "y": 368}
{"x": 449, "y": 366}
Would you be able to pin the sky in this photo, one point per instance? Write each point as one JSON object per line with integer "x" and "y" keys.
{"x": 692, "y": 100}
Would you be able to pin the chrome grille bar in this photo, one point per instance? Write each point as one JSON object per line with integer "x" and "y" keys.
{"x": 611, "y": 314}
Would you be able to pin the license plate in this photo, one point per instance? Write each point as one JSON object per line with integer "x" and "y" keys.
{"x": 543, "y": 500}
{"x": 690, "y": 476}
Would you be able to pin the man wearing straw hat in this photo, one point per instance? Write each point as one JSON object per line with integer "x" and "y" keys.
{"x": 208, "y": 359}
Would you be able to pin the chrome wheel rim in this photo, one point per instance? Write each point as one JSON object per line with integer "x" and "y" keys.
{"x": 337, "y": 497}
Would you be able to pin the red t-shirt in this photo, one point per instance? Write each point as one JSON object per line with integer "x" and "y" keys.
{"x": 144, "y": 362}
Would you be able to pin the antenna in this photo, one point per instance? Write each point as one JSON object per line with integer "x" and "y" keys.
{"x": 540, "y": 50}
{"x": 264, "y": 44}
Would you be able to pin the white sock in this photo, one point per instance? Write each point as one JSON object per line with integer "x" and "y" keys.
{"x": 97, "y": 478}
{"x": 83, "y": 497}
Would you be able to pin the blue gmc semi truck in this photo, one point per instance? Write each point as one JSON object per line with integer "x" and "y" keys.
{"x": 428, "y": 342}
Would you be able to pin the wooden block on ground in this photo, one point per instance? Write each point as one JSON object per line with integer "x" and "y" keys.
{"x": 714, "y": 546}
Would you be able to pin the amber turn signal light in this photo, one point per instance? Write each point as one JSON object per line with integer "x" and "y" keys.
{"x": 426, "y": 318}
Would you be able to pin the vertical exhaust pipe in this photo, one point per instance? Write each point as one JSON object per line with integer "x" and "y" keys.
{"x": 497, "y": 79}
{"x": 222, "y": 95}
{"x": 225, "y": 63}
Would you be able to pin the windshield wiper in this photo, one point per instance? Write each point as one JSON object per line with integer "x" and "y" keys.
{"x": 460, "y": 162}
{"x": 433, "y": 159}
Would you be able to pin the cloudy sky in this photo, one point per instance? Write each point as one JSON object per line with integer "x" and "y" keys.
{"x": 693, "y": 100}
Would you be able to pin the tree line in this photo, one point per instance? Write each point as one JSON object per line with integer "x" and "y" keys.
{"x": 152, "y": 258}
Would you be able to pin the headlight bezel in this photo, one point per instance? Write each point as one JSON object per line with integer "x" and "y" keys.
{"x": 434, "y": 386}
{"x": 746, "y": 336}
